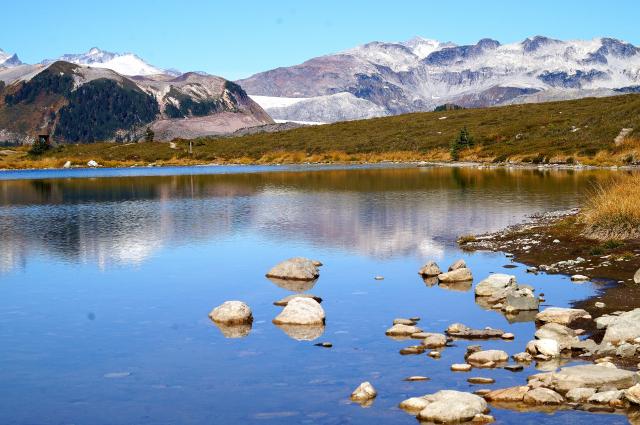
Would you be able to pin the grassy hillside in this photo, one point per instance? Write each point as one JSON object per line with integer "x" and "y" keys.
{"x": 570, "y": 131}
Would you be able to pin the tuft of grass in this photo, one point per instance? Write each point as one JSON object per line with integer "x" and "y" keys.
{"x": 465, "y": 239}
{"x": 612, "y": 213}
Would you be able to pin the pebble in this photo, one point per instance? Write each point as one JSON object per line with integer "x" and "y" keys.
{"x": 482, "y": 392}
{"x": 556, "y": 241}
{"x": 460, "y": 367}
{"x": 416, "y": 378}
{"x": 507, "y": 335}
{"x": 600, "y": 304}
{"x": 324, "y": 344}
{"x": 437, "y": 355}
{"x": 379, "y": 278}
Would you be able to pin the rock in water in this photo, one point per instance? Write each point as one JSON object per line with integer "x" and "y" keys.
{"x": 402, "y": 330}
{"x": 563, "y": 316}
{"x": 448, "y": 406}
{"x": 587, "y": 376}
{"x": 295, "y": 269}
{"x": 457, "y": 275}
{"x": 434, "y": 340}
{"x": 92, "y": 163}
{"x": 545, "y": 347}
{"x": 579, "y": 278}
{"x": 301, "y": 311}
{"x": 542, "y": 396}
{"x": 460, "y": 264}
{"x": 483, "y": 357}
{"x": 564, "y": 336}
{"x": 232, "y": 313}
{"x": 284, "y": 301}
{"x": 580, "y": 395}
{"x": 459, "y": 330}
{"x": 364, "y": 392}
{"x": 495, "y": 283}
{"x": 430, "y": 269}
{"x": 512, "y": 394}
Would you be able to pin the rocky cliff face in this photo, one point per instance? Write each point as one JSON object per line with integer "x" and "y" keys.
{"x": 419, "y": 74}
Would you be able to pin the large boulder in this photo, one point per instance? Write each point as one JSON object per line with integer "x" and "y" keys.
{"x": 232, "y": 313}
{"x": 448, "y": 406}
{"x": 301, "y": 311}
{"x": 564, "y": 336}
{"x": 626, "y": 327}
{"x": 520, "y": 300}
{"x": 587, "y": 376}
{"x": 495, "y": 283}
{"x": 430, "y": 269}
{"x": 545, "y": 347}
{"x": 457, "y": 275}
{"x": 563, "y": 316}
{"x": 297, "y": 268}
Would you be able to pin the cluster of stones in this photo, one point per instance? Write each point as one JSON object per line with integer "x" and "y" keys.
{"x": 502, "y": 292}
{"x": 302, "y": 317}
{"x": 457, "y": 272}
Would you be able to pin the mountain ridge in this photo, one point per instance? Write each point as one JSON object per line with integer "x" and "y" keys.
{"x": 420, "y": 74}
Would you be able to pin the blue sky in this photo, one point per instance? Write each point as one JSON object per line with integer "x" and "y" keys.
{"x": 238, "y": 38}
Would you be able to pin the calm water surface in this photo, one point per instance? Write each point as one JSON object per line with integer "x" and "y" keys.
{"x": 106, "y": 283}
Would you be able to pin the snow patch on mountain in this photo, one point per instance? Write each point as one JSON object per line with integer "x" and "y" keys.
{"x": 9, "y": 60}
{"x": 122, "y": 63}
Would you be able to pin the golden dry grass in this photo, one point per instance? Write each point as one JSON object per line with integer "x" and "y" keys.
{"x": 613, "y": 210}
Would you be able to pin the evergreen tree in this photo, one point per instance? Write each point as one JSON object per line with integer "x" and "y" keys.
{"x": 149, "y": 135}
{"x": 463, "y": 140}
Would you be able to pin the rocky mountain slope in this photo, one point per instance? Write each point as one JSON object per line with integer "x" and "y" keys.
{"x": 7, "y": 60}
{"x": 417, "y": 75}
{"x": 79, "y": 103}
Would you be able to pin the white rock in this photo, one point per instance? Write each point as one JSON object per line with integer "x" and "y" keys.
{"x": 460, "y": 264}
{"x": 625, "y": 327}
{"x": 402, "y": 330}
{"x": 494, "y": 283}
{"x": 301, "y": 311}
{"x": 606, "y": 397}
{"x": 580, "y": 395}
{"x": 67, "y": 164}
{"x": 633, "y": 394}
{"x": 297, "y": 268}
{"x": 414, "y": 404}
{"x": 449, "y": 406}
{"x": 232, "y": 312}
{"x": 460, "y": 367}
{"x": 564, "y": 336}
{"x": 486, "y": 356}
{"x": 636, "y": 277}
{"x": 364, "y": 392}
{"x": 545, "y": 346}
{"x": 542, "y": 396}
{"x": 434, "y": 340}
{"x": 587, "y": 376}
{"x": 579, "y": 278}
{"x": 92, "y": 163}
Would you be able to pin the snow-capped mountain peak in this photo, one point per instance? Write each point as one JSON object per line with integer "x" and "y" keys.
{"x": 9, "y": 60}
{"x": 122, "y": 63}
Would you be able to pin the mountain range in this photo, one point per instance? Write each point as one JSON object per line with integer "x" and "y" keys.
{"x": 99, "y": 95}
{"x": 379, "y": 78}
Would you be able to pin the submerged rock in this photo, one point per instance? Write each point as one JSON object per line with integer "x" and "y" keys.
{"x": 232, "y": 313}
{"x": 430, "y": 269}
{"x": 459, "y": 330}
{"x": 364, "y": 392}
{"x": 301, "y": 311}
{"x": 457, "y": 275}
{"x": 297, "y": 268}
{"x": 448, "y": 406}
{"x": 563, "y": 316}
